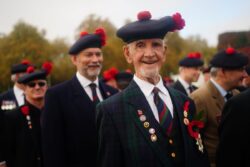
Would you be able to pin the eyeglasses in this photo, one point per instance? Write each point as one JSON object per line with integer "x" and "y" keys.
{"x": 33, "y": 84}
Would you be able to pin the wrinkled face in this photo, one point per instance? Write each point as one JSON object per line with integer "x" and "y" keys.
{"x": 36, "y": 89}
{"x": 235, "y": 77}
{"x": 147, "y": 56}
{"x": 192, "y": 73}
{"x": 88, "y": 62}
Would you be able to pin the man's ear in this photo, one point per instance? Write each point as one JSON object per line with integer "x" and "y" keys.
{"x": 73, "y": 59}
{"x": 127, "y": 54}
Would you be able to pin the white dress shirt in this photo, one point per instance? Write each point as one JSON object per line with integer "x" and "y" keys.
{"x": 19, "y": 95}
{"x": 147, "y": 89}
{"x": 85, "y": 84}
{"x": 185, "y": 85}
{"x": 222, "y": 91}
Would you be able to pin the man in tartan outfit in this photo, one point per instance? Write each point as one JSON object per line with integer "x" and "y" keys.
{"x": 146, "y": 125}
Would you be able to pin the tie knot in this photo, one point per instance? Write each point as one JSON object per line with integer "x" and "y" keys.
{"x": 228, "y": 95}
{"x": 191, "y": 89}
{"x": 156, "y": 90}
{"x": 92, "y": 85}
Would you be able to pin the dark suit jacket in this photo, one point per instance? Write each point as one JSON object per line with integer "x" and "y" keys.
{"x": 68, "y": 125}
{"x": 234, "y": 145}
{"x": 5, "y": 96}
{"x": 125, "y": 142}
{"x": 178, "y": 86}
{"x": 22, "y": 145}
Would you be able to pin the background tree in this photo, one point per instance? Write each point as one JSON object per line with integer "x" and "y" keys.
{"x": 25, "y": 42}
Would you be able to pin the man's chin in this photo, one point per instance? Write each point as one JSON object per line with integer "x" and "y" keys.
{"x": 150, "y": 73}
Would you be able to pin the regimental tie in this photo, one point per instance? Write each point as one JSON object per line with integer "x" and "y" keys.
{"x": 94, "y": 94}
{"x": 165, "y": 117}
{"x": 191, "y": 89}
{"x": 228, "y": 95}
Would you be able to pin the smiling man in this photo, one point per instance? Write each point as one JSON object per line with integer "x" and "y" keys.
{"x": 143, "y": 126}
{"x": 68, "y": 128}
{"x": 22, "y": 128}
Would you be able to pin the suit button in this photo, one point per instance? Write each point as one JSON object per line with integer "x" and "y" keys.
{"x": 173, "y": 155}
{"x": 170, "y": 141}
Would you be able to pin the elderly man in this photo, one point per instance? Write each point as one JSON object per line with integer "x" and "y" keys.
{"x": 22, "y": 130}
{"x": 227, "y": 72}
{"x": 68, "y": 123}
{"x": 143, "y": 125}
{"x": 189, "y": 72}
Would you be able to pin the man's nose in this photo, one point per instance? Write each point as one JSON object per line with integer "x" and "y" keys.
{"x": 149, "y": 51}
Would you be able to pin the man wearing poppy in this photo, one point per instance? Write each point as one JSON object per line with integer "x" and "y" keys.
{"x": 22, "y": 129}
{"x": 143, "y": 125}
{"x": 227, "y": 72}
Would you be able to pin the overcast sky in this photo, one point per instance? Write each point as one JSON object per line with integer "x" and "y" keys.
{"x": 60, "y": 18}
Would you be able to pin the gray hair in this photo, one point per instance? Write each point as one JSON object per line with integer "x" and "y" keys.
{"x": 214, "y": 71}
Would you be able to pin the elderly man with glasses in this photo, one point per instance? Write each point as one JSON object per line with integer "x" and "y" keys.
{"x": 22, "y": 129}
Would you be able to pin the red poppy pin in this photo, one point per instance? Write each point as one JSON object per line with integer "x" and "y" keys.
{"x": 26, "y": 112}
{"x": 193, "y": 127}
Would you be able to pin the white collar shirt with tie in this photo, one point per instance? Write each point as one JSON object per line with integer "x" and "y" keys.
{"x": 85, "y": 84}
{"x": 147, "y": 89}
{"x": 185, "y": 85}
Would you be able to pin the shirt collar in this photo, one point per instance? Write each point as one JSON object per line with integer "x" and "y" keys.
{"x": 147, "y": 87}
{"x": 85, "y": 81}
{"x": 222, "y": 91}
{"x": 17, "y": 90}
{"x": 184, "y": 83}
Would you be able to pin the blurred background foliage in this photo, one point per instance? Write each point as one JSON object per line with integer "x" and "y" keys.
{"x": 27, "y": 42}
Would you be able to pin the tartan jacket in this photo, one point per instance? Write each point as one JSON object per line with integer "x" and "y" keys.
{"x": 125, "y": 142}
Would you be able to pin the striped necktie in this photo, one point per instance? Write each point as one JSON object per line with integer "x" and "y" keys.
{"x": 94, "y": 94}
{"x": 165, "y": 117}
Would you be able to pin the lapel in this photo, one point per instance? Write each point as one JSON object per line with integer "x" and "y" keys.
{"x": 104, "y": 90}
{"x": 217, "y": 97}
{"x": 180, "y": 87}
{"x": 178, "y": 104}
{"x": 135, "y": 101}
{"x": 80, "y": 97}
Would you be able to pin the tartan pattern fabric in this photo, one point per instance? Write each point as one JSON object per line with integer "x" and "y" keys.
{"x": 165, "y": 116}
{"x": 125, "y": 142}
{"x": 94, "y": 94}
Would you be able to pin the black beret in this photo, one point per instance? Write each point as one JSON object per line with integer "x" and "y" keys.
{"x": 41, "y": 74}
{"x": 147, "y": 28}
{"x": 32, "y": 75}
{"x": 229, "y": 58}
{"x": 192, "y": 60}
{"x": 96, "y": 40}
{"x": 21, "y": 67}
